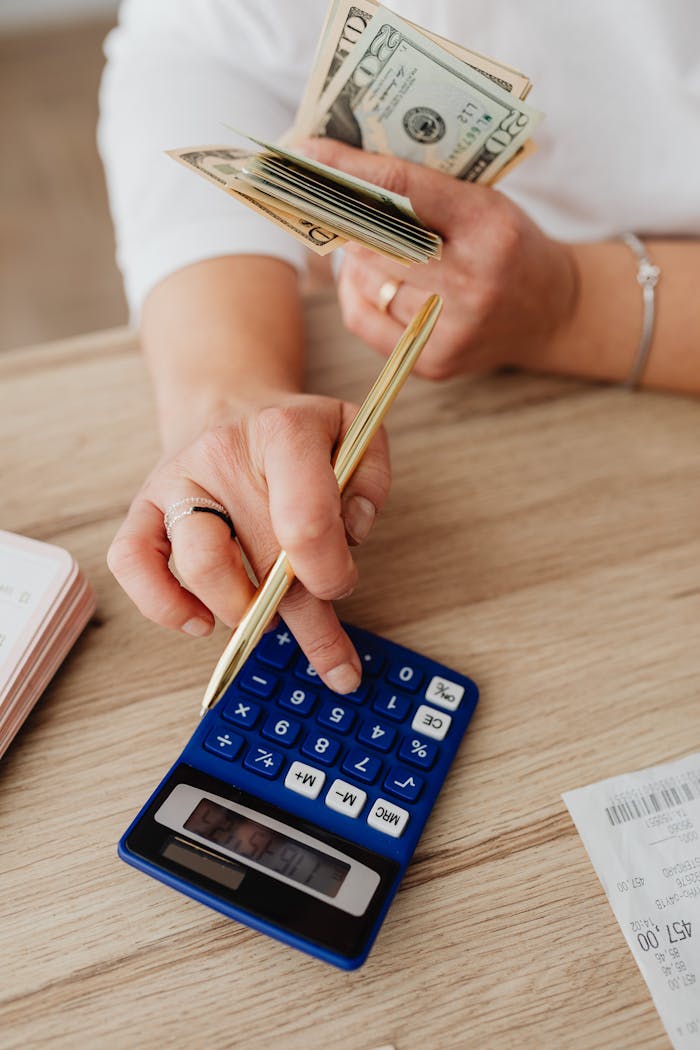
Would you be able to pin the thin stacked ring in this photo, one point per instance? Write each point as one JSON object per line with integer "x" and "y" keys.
{"x": 194, "y": 505}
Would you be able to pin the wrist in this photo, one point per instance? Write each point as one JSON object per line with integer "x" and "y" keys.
{"x": 597, "y": 334}
{"x": 563, "y": 294}
{"x": 186, "y": 412}
{"x": 222, "y": 338}
{"x": 549, "y": 288}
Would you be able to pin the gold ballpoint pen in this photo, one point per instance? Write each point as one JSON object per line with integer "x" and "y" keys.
{"x": 351, "y": 450}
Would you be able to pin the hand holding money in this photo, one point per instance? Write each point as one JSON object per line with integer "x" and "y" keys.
{"x": 508, "y": 288}
{"x": 386, "y": 86}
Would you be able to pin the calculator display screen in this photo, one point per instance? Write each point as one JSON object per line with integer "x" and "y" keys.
{"x": 267, "y": 847}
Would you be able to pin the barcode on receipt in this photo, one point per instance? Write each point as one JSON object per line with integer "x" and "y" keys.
{"x": 634, "y": 807}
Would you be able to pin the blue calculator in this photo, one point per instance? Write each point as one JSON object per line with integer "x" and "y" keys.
{"x": 295, "y": 810}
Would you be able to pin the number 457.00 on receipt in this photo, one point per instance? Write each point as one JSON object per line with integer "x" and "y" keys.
{"x": 642, "y": 833}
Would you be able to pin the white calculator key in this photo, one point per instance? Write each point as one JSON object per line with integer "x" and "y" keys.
{"x": 430, "y": 722}
{"x": 385, "y": 816}
{"x": 444, "y": 692}
{"x": 346, "y": 798}
{"x": 305, "y": 780}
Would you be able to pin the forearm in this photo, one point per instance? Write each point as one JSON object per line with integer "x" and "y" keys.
{"x": 603, "y": 335}
{"x": 221, "y": 336}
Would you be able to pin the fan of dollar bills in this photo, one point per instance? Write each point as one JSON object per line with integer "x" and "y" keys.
{"x": 384, "y": 85}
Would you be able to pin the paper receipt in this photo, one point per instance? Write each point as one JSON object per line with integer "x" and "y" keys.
{"x": 642, "y": 833}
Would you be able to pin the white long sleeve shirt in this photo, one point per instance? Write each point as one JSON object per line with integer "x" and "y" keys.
{"x": 619, "y": 83}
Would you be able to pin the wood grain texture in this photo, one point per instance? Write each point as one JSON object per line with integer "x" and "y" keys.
{"x": 57, "y": 270}
{"x": 541, "y": 536}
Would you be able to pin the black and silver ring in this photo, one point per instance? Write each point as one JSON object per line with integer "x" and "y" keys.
{"x": 183, "y": 508}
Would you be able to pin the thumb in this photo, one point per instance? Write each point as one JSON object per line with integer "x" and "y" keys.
{"x": 430, "y": 192}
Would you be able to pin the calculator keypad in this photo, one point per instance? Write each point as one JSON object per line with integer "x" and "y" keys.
{"x": 282, "y": 730}
{"x": 296, "y": 699}
{"x": 321, "y": 747}
{"x": 421, "y": 753}
{"x": 380, "y": 740}
{"x": 405, "y": 676}
{"x": 305, "y": 780}
{"x": 392, "y": 705}
{"x": 362, "y": 765}
{"x": 446, "y": 694}
{"x": 226, "y": 745}
{"x": 258, "y": 682}
{"x": 241, "y": 711}
{"x": 346, "y": 798}
{"x": 263, "y": 761}
{"x": 377, "y": 735}
{"x": 388, "y": 817}
{"x": 336, "y": 716}
{"x": 430, "y": 722}
{"x": 404, "y": 783}
{"x": 276, "y": 648}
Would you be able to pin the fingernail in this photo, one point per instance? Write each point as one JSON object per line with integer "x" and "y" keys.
{"x": 198, "y": 627}
{"x": 344, "y": 678}
{"x": 359, "y": 517}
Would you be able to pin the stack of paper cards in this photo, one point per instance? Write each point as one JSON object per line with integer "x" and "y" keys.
{"x": 45, "y": 602}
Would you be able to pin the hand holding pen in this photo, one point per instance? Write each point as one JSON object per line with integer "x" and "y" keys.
{"x": 345, "y": 462}
{"x": 272, "y": 472}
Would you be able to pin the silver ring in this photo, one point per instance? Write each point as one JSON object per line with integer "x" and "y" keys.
{"x": 191, "y": 505}
{"x": 387, "y": 294}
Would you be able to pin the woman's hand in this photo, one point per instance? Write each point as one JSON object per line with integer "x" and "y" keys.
{"x": 272, "y": 471}
{"x": 508, "y": 288}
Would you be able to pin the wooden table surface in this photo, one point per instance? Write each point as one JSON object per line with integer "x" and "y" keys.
{"x": 542, "y": 537}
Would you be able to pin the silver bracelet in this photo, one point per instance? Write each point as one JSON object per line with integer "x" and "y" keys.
{"x": 647, "y": 276}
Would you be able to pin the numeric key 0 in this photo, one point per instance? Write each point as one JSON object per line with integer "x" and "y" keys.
{"x": 405, "y": 676}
